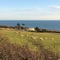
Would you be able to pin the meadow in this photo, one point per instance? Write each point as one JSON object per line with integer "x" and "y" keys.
{"x": 35, "y": 41}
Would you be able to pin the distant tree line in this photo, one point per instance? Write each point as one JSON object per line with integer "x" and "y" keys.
{"x": 45, "y": 30}
{"x": 22, "y": 27}
{"x": 5, "y": 26}
{"x": 18, "y": 26}
{"x": 40, "y": 30}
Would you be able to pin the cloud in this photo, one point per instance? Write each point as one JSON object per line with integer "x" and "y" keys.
{"x": 55, "y": 7}
{"x": 32, "y": 9}
{"x": 30, "y": 14}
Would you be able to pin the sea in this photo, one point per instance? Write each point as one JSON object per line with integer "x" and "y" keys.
{"x": 43, "y": 24}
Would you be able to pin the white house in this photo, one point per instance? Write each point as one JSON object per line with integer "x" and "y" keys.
{"x": 31, "y": 29}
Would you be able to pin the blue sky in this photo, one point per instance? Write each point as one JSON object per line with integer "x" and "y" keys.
{"x": 29, "y": 9}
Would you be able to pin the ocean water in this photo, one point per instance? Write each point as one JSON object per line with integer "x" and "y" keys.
{"x": 45, "y": 24}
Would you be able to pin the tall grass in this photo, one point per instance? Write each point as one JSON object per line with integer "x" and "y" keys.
{"x": 9, "y": 51}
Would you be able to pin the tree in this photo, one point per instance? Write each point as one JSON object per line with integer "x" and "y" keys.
{"x": 23, "y": 26}
{"x": 18, "y": 26}
{"x": 37, "y": 29}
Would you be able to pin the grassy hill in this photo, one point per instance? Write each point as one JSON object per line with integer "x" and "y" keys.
{"x": 33, "y": 40}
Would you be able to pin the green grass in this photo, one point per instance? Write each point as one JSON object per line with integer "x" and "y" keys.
{"x": 49, "y": 43}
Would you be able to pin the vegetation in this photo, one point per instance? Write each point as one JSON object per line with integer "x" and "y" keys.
{"x": 23, "y": 24}
{"x": 37, "y": 29}
{"x": 18, "y": 26}
{"x": 22, "y": 45}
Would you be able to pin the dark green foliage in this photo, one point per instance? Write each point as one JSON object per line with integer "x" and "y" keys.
{"x": 18, "y": 26}
{"x": 37, "y": 29}
{"x": 44, "y": 30}
{"x": 23, "y": 24}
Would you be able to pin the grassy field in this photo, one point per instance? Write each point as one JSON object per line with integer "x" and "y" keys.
{"x": 50, "y": 41}
{"x": 23, "y": 45}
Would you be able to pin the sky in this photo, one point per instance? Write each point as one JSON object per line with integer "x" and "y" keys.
{"x": 29, "y": 9}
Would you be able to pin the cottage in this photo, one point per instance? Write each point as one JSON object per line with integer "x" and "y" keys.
{"x": 31, "y": 29}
